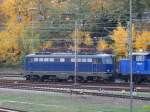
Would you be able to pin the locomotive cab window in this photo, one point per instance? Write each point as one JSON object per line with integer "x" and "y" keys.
{"x": 107, "y": 60}
{"x": 30, "y": 60}
{"x": 140, "y": 58}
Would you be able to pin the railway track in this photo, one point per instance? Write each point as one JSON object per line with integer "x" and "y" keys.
{"x": 90, "y": 86}
{"x": 108, "y": 90}
{"x": 9, "y": 110}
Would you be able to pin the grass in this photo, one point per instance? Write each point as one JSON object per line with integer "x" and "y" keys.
{"x": 42, "y": 102}
{"x": 140, "y": 94}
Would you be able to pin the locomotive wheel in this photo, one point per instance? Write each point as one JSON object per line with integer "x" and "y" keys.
{"x": 70, "y": 79}
{"x": 138, "y": 80}
{"x": 28, "y": 77}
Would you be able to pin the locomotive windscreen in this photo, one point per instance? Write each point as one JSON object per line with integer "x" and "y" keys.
{"x": 107, "y": 60}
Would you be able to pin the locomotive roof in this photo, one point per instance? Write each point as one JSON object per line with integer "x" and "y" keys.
{"x": 140, "y": 53}
{"x": 67, "y": 55}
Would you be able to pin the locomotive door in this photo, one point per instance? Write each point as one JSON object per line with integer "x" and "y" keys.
{"x": 139, "y": 67}
{"x": 95, "y": 65}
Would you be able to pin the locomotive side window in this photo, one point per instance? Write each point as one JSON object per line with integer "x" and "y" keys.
{"x": 79, "y": 59}
{"x": 140, "y": 58}
{"x": 46, "y": 59}
{"x": 89, "y": 59}
{"x": 51, "y": 59}
{"x": 41, "y": 59}
{"x": 96, "y": 60}
{"x": 62, "y": 60}
{"x": 83, "y": 59}
{"x": 36, "y": 59}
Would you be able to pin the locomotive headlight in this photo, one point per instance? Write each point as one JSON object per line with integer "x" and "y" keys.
{"x": 108, "y": 70}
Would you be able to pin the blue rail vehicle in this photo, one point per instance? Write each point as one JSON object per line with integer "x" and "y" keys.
{"x": 61, "y": 66}
{"x": 140, "y": 65}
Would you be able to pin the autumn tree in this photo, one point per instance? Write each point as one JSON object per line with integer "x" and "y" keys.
{"x": 17, "y": 17}
{"x": 120, "y": 38}
{"x": 102, "y": 45}
{"x": 29, "y": 21}
{"x": 142, "y": 41}
{"x": 87, "y": 39}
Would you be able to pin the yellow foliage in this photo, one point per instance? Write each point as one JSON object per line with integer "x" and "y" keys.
{"x": 88, "y": 40}
{"x": 8, "y": 7}
{"x": 9, "y": 49}
{"x": 12, "y": 9}
{"x": 142, "y": 41}
{"x": 120, "y": 37}
{"x": 102, "y": 45}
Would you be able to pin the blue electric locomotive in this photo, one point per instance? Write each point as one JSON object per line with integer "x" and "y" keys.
{"x": 140, "y": 64}
{"x": 61, "y": 66}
